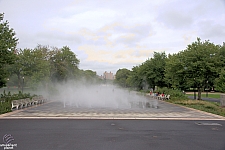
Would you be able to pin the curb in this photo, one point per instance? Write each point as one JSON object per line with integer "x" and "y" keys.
{"x": 110, "y": 118}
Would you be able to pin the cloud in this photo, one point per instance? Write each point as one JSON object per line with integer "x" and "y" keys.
{"x": 128, "y": 35}
{"x": 175, "y": 20}
{"x": 94, "y": 53}
{"x": 210, "y": 30}
{"x": 115, "y": 33}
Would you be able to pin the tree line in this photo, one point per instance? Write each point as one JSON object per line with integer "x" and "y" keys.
{"x": 39, "y": 66}
{"x": 199, "y": 67}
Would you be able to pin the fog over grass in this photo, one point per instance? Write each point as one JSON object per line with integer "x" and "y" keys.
{"x": 81, "y": 95}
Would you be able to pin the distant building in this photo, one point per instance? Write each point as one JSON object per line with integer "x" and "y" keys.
{"x": 107, "y": 76}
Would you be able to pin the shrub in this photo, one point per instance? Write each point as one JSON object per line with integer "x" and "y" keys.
{"x": 174, "y": 94}
{"x": 6, "y": 99}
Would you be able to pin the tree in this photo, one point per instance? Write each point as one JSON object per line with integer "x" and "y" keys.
{"x": 37, "y": 66}
{"x": 33, "y": 65}
{"x": 122, "y": 76}
{"x": 8, "y": 43}
{"x": 150, "y": 73}
{"x": 135, "y": 77}
{"x": 18, "y": 67}
{"x": 64, "y": 64}
{"x": 220, "y": 82}
{"x": 155, "y": 70}
{"x": 89, "y": 76}
{"x": 175, "y": 73}
{"x": 196, "y": 66}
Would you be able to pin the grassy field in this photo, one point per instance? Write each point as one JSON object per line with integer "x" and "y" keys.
{"x": 211, "y": 107}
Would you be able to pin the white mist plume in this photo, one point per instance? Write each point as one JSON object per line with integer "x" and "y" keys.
{"x": 99, "y": 96}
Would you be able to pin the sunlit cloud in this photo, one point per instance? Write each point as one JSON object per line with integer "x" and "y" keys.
{"x": 115, "y": 57}
{"x": 110, "y": 34}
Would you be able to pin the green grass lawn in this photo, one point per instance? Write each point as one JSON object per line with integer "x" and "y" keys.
{"x": 210, "y": 95}
{"x": 211, "y": 107}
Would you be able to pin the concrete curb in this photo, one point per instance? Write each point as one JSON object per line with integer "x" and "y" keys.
{"x": 109, "y": 118}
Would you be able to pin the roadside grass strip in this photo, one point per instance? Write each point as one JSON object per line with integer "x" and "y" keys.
{"x": 210, "y": 107}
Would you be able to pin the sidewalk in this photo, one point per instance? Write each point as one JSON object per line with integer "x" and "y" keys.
{"x": 207, "y": 99}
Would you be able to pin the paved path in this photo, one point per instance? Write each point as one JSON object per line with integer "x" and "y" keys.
{"x": 164, "y": 111}
{"x": 207, "y": 99}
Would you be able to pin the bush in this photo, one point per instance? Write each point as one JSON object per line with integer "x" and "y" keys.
{"x": 6, "y": 99}
{"x": 174, "y": 94}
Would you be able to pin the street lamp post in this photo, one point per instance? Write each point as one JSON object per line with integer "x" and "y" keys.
{"x": 23, "y": 85}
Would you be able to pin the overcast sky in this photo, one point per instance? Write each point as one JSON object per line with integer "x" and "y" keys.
{"x": 107, "y": 35}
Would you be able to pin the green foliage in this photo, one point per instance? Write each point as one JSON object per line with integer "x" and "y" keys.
{"x": 6, "y": 99}
{"x": 220, "y": 82}
{"x": 197, "y": 66}
{"x": 64, "y": 64}
{"x": 135, "y": 78}
{"x": 155, "y": 70}
{"x": 8, "y": 43}
{"x": 89, "y": 77}
{"x": 149, "y": 74}
{"x": 39, "y": 66}
{"x": 174, "y": 94}
{"x": 122, "y": 76}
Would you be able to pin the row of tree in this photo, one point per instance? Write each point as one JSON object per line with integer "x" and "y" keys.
{"x": 40, "y": 66}
{"x": 200, "y": 66}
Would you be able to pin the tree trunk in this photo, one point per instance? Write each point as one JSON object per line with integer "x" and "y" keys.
{"x": 199, "y": 93}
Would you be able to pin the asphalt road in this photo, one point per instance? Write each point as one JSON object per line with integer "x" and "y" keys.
{"x": 81, "y": 134}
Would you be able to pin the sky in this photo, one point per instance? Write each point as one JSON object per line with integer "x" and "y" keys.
{"x": 108, "y": 35}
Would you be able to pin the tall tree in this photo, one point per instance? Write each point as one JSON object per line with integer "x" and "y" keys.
{"x": 88, "y": 77}
{"x": 64, "y": 64}
{"x": 196, "y": 66}
{"x": 175, "y": 73}
{"x": 122, "y": 76}
{"x": 135, "y": 78}
{"x": 8, "y": 43}
{"x": 220, "y": 81}
{"x": 155, "y": 70}
{"x": 31, "y": 64}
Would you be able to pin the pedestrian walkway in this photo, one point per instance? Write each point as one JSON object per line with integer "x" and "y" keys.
{"x": 56, "y": 110}
{"x": 207, "y": 99}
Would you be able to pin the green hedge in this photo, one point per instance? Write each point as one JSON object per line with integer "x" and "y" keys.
{"x": 6, "y": 99}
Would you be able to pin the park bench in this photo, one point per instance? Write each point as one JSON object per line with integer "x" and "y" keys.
{"x": 160, "y": 97}
{"x": 167, "y": 97}
{"x": 27, "y": 102}
{"x": 42, "y": 99}
{"x": 16, "y": 104}
{"x": 20, "y": 103}
{"x": 38, "y": 99}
